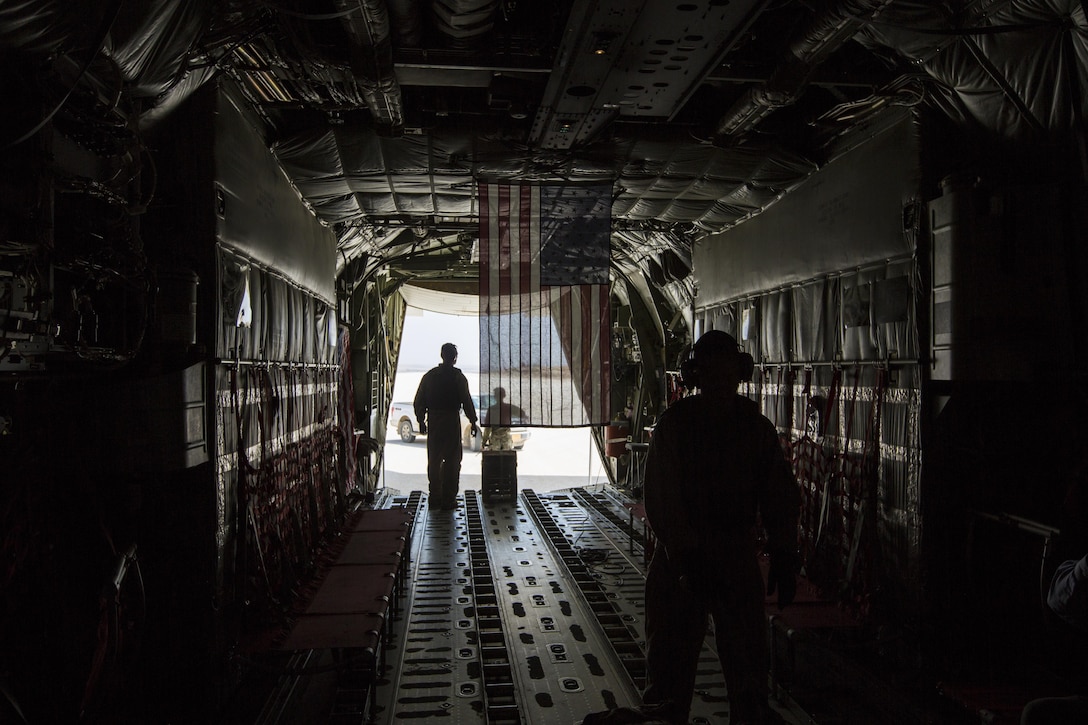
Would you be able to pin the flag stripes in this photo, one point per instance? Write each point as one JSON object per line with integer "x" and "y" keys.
{"x": 547, "y": 346}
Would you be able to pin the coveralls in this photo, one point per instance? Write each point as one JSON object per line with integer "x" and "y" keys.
{"x": 497, "y": 420}
{"x": 442, "y": 392}
{"x": 713, "y": 464}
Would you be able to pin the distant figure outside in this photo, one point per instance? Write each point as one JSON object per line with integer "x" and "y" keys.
{"x": 497, "y": 421}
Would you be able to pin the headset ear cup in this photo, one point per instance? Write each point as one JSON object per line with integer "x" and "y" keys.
{"x": 689, "y": 374}
{"x": 747, "y": 367}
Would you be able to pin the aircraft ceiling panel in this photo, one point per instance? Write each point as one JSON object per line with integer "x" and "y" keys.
{"x": 668, "y": 52}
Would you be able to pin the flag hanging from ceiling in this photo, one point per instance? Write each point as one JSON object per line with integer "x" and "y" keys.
{"x": 544, "y": 303}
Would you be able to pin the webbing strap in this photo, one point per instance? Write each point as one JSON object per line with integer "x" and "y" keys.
{"x": 238, "y": 408}
{"x": 791, "y": 377}
{"x": 858, "y": 559}
{"x": 784, "y": 399}
{"x": 825, "y": 498}
{"x": 833, "y": 392}
{"x": 778, "y": 382}
{"x": 788, "y": 394}
{"x": 872, "y": 431}
{"x": 803, "y": 454}
{"x": 809, "y": 464}
{"x": 850, "y": 412}
{"x": 347, "y": 421}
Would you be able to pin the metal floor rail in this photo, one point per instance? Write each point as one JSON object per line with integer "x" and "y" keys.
{"x": 520, "y": 611}
{"x": 526, "y": 611}
{"x": 497, "y": 628}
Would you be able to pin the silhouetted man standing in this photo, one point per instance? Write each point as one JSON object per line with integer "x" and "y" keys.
{"x": 714, "y": 469}
{"x": 442, "y": 392}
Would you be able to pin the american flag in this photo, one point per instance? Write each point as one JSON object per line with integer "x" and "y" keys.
{"x": 544, "y": 300}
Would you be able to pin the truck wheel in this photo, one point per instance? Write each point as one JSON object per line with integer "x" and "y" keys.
{"x": 406, "y": 433}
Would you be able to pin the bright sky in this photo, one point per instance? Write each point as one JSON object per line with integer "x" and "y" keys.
{"x": 425, "y": 332}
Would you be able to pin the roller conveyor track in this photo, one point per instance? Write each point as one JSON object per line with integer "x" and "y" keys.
{"x": 616, "y": 625}
{"x": 526, "y": 611}
{"x": 593, "y": 524}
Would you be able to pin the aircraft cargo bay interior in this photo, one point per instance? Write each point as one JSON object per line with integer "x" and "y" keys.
{"x": 748, "y": 391}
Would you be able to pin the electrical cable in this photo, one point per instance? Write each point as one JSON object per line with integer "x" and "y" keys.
{"x": 103, "y": 35}
{"x": 592, "y": 555}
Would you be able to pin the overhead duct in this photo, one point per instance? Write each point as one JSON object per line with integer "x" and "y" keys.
{"x": 367, "y": 23}
{"x": 828, "y": 32}
{"x": 464, "y": 21}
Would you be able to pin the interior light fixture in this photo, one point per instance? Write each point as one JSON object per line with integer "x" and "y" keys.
{"x": 602, "y": 41}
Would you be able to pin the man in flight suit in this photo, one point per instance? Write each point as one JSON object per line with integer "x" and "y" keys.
{"x": 714, "y": 468}
{"x": 442, "y": 392}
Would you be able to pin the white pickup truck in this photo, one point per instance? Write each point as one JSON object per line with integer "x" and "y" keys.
{"x": 402, "y": 419}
